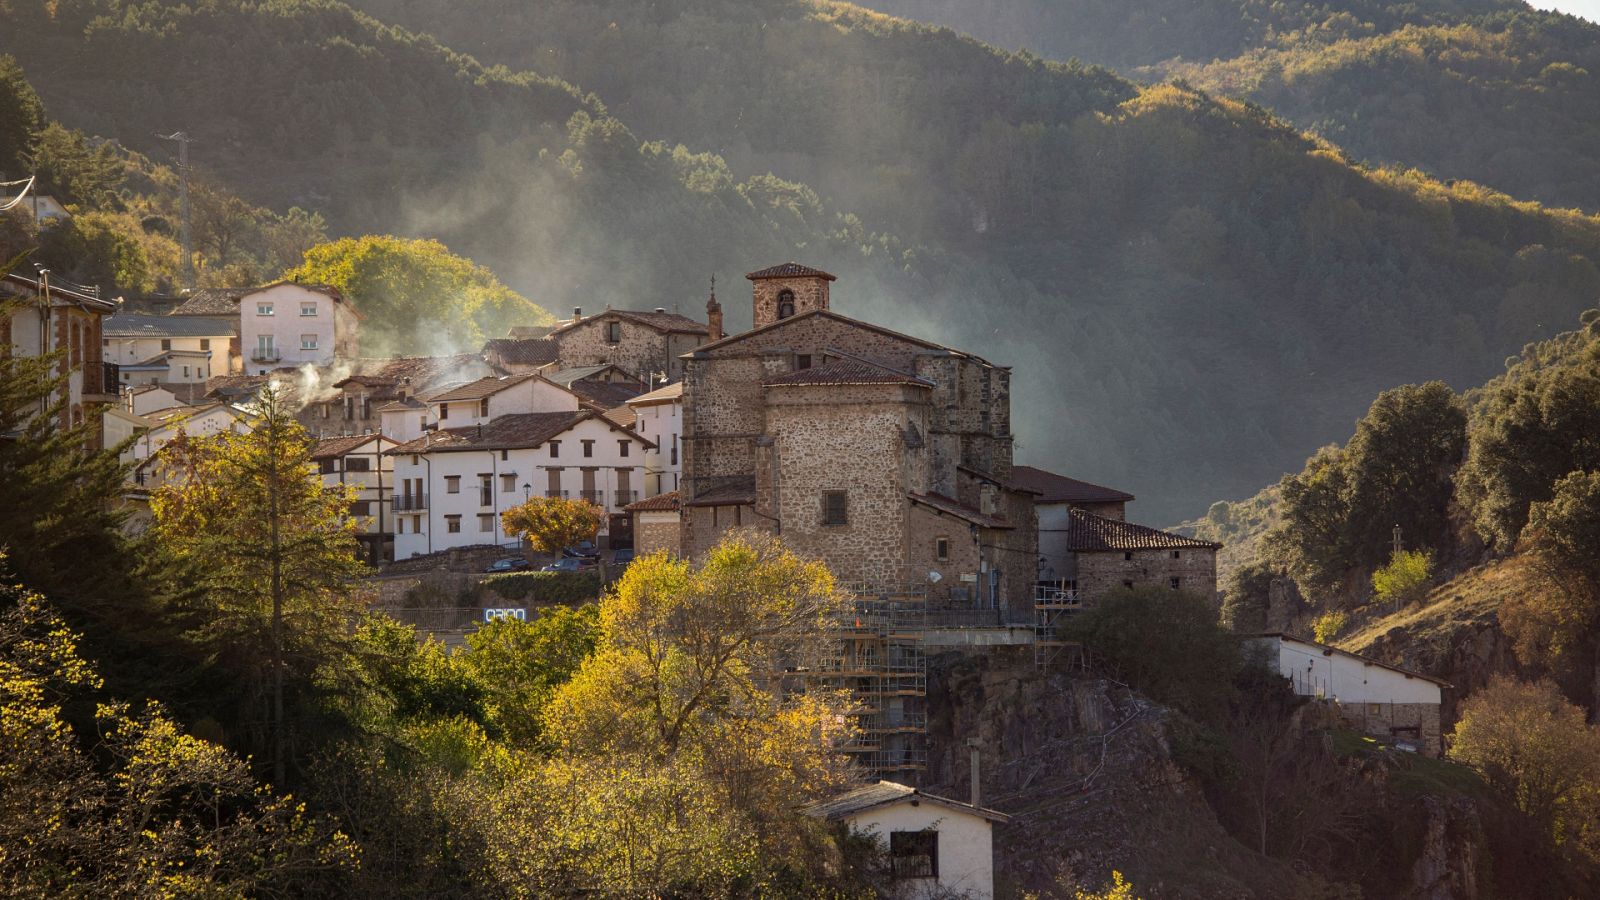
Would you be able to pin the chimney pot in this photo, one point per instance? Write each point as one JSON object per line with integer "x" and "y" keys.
{"x": 577, "y": 312}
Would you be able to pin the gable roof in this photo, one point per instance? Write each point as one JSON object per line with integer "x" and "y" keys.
{"x": 660, "y": 320}
{"x": 668, "y": 502}
{"x": 519, "y": 431}
{"x": 889, "y": 793}
{"x": 668, "y": 394}
{"x": 621, "y": 416}
{"x": 211, "y": 302}
{"x": 789, "y": 269}
{"x": 1089, "y": 533}
{"x": 1053, "y": 488}
{"x": 837, "y": 317}
{"x": 735, "y": 490}
{"x": 843, "y": 372}
{"x": 523, "y": 351}
{"x": 604, "y": 394}
{"x": 960, "y": 510}
{"x": 1328, "y": 650}
{"x": 421, "y": 372}
{"x": 136, "y": 325}
{"x": 335, "y": 447}
{"x": 567, "y": 376}
{"x": 483, "y": 387}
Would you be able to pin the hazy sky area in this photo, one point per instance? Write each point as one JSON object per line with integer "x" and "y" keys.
{"x": 1589, "y": 9}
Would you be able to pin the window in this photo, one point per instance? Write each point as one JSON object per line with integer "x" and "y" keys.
{"x": 444, "y": 411}
{"x": 186, "y": 371}
{"x": 941, "y": 548}
{"x": 803, "y": 361}
{"x": 614, "y": 332}
{"x": 622, "y": 448}
{"x": 361, "y": 508}
{"x": 483, "y": 407}
{"x": 835, "y": 508}
{"x": 555, "y": 449}
{"x": 400, "y": 526}
{"x": 1128, "y": 585}
{"x": 1127, "y": 554}
{"x": 674, "y": 450}
{"x": 485, "y": 490}
{"x": 1176, "y": 583}
{"x": 914, "y": 854}
{"x": 452, "y": 484}
{"x": 416, "y": 524}
{"x": 327, "y": 466}
{"x": 205, "y": 343}
{"x": 452, "y": 524}
{"x": 1177, "y": 554}
{"x": 265, "y": 346}
{"x": 358, "y": 464}
{"x": 308, "y": 308}
{"x": 485, "y": 522}
{"x": 508, "y": 483}
{"x": 588, "y": 449}
{"x": 308, "y": 342}
{"x": 263, "y": 309}
{"x": 785, "y": 304}
{"x": 166, "y": 343}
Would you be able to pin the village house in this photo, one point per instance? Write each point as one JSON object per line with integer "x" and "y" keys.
{"x": 521, "y": 355}
{"x": 936, "y": 847}
{"x": 649, "y": 345}
{"x": 603, "y": 387}
{"x": 1101, "y": 554}
{"x": 1382, "y": 701}
{"x": 452, "y": 484}
{"x": 42, "y": 319}
{"x": 658, "y": 417}
{"x": 655, "y": 523}
{"x": 285, "y": 324}
{"x": 360, "y": 462}
{"x": 885, "y": 455}
{"x": 349, "y": 398}
{"x": 193, "y": 421}
{"x": 156, "y": 349}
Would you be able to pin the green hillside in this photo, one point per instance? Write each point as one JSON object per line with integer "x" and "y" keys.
{"x": 1194, "y": 294}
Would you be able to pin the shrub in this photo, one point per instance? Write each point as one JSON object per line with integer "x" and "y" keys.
{"x": 545, "y": 587}
{"x": 1328, "y": 625}
{"x": 1405, "y": 579}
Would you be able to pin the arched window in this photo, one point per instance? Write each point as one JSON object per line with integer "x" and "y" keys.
{"x": 785, "y": 304}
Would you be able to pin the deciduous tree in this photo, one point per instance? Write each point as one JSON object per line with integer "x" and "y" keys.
{"x": 550, "y": 523}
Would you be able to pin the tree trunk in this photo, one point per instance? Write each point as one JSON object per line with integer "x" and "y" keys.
{"x": 279, "y": 764}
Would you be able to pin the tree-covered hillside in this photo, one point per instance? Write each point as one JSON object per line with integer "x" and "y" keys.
{"x": 1194, "y": 294}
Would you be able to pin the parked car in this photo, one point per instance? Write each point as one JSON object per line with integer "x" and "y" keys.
{"x": 509, "y": 564}
{"x": 571, "y": 564}
{"x": 621, "y": 558}
{"x": 582, "y": 549}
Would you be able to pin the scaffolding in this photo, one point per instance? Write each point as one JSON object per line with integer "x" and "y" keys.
{"x": 1052, "y": 604}
{"x": 876, "y": 655}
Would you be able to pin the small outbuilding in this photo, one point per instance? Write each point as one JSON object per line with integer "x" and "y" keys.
{"x": 937, "y": 847}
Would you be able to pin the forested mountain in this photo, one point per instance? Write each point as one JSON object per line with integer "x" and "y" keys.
{"x": 1489, "y": 90}
{"x": 1195, "y": 295}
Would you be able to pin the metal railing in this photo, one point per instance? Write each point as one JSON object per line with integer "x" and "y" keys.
{"x": 626, "y": 497}
{"x": 410, "y": 502}
{"x": 260, "y": 355}
{"x": 556, "y": 494}
{"x": 598, "y": 498}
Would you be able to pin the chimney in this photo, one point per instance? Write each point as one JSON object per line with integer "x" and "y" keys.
{"x": 577, "y": 312}
{"x": 661, "y": 309}
{"x": 713, "y": 315}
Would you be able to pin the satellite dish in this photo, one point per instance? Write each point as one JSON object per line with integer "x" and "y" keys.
{"x": 934, "y": 577}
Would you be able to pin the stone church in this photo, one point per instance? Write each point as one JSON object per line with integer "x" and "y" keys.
{"x": 885, "y": 455}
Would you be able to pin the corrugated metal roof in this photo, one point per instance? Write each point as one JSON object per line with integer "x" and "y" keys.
{"x": 133, "y": 325}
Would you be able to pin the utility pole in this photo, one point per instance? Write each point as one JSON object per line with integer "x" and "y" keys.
{"x": 1398, "y": 547}
{"x": 183, "y": 140}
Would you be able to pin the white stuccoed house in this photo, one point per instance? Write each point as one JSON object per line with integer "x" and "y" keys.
{"x": 288, "y": 324}
{"x": 937, "y": 847}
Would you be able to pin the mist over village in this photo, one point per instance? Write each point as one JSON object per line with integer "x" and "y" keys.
{"x": 910, "y": 449}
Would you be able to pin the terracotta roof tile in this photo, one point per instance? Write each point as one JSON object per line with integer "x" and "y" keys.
{"x": 789, "y": 270}
{"x": 671, "y": 392}
{"x": 847, "y": 372}
{"x": 523, "y": 351}
{"x": 660, "y": 321}
{"x": 736, "y": 490}
{"x": 483, "y": 387}
{"x": 668, "y": 502}
{"x": 212, "y": 302}
{"x": 605, "y": 394}
{"x": 960, "y": 510}
{"x": 1088, "y": 533}
{"x": 513, "y": 432}
{"x": 334, "y": 447}
{"x": 622, "y": 417}
{"x": 1053, "y": 488}
{"x": 838, "y": 317}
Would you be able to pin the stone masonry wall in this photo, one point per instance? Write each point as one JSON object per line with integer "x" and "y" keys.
{"x": 809, "y": 294}
{"x": 641, "y": 351}
{"x": 654, "y": 531}
{"x": 1099, "y": 573}
{"x": 1380, "y": 720}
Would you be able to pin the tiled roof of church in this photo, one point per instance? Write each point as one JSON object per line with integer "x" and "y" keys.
{"x": 1053, "y": 488}
{"x": 1089, "y": 533}
{"x": 960, "y": 510}
{"x": 847, "y": 372}
{"x": 790, "y": 270}
{"x": 660, "y": 320}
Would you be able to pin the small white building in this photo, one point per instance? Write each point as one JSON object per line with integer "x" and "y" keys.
{"x": 289, "y": 325}
{"x": 452, "y": 484}
{"x": 658, "y": 417}
{"x": 182, "y": 349}
{"x": 194, "y": 421}
{"x": 361, "y": 462}
{"x": 937, "y": 847}
{"x": 1383, "y": 701}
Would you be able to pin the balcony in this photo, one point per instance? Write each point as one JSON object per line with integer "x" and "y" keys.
{"x": 265, "y": 354}
{"x": 598, "y": 498}
{"x": 626, "y": 497}
{"x": 410, "y": 502}
{"x": 557, "y": 495}
{"x": 485, "y": 497}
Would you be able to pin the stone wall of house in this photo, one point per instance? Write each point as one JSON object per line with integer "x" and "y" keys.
{"x": 925, "y": 528}
{"x": 841, "y": 438}
{"x": 1099, "y": 573}
{"x": 641, "y": 350}
{"x": 1417, "y": 722}
{"x": 654, "y": 531}
{"x": 809, "y": 293}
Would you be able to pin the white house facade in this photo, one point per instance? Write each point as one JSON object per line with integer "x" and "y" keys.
{"x": 937, "y": 847}
{"x": 658, "y": 417}
{"x": 452, "y": 484}
{"x": 194, "y": 421}
{"x": 152, "y": 349}
{"x": 363, "y": 464}
{"x": 289, "y": 324}
{"x": 1384, "y": 701}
